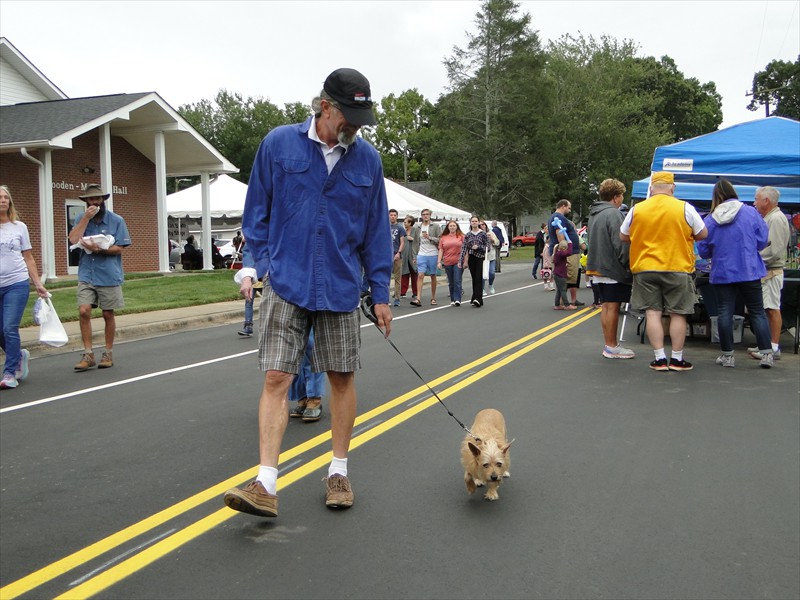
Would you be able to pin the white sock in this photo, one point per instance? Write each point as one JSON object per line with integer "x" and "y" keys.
{"x": 660, "y": 354}
{"x": 338, "y": 467}
{"x": 268, "y": 476}
{"x": 775, "y": 347}
{"x": 677, "y": 354}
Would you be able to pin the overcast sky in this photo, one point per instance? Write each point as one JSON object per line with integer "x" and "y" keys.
{"x": 282, "y": 51}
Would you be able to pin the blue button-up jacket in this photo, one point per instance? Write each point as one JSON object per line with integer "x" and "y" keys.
{"x": 313, "y": 233}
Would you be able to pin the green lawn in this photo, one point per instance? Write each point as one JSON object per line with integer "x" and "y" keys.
{"x": 520, "y": 255}
{"x": 145, "y": 292}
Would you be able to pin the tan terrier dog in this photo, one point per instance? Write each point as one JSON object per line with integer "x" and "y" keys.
{"x": 484, "y": 454}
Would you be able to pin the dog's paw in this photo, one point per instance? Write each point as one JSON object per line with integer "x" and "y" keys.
{"x": 506, "y": 474}
{"x": 491, "y": 495}
{"x": 470, "y": 483}
{"x": 480, "y": 483}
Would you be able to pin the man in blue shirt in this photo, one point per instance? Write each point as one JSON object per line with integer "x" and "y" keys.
{"x": 101, "y": 236}
{"x": 315, "y": 218}
{"x": 558, "y": 222}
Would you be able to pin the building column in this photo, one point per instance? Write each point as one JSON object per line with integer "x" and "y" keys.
{"x": 106, "y": 179}
{"x": 205, "y": 188}
{"x": 161, "y": 202}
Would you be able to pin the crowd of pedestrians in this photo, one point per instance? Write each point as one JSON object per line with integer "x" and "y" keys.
{"x": 309, "y": 326}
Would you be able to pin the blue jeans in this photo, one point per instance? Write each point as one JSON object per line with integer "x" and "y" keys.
{"x": 726, "y": 301}
{"x": 13, "y": 299}
{"x": 454, "y": 276}
{"x": 535, "y": 270}
{"x": 492, "y": 266}
{"x": 248, "y": 310}
{"x": 306, "y": 383}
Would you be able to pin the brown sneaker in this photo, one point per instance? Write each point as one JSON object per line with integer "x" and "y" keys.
{"x": 254, "y": 499}
{"x": 106, "y": 361}
{"x": 338, "y": 493}
{"x": 87, "y": 362}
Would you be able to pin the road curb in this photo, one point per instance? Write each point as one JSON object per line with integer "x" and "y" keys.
{"x": 132, "y": 331}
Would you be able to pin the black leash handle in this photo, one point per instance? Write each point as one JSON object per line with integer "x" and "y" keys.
{"x": 368, "y": 308}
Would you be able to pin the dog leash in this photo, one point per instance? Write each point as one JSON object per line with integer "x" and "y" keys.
{"x": 368, "y": 308}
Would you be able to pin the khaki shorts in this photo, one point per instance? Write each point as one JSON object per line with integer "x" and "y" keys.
{"x": 771, "y": 292}
{"x": 667, "y": 292}
{"x": 106, "y": 297}
{"x": 283, "y": 336}
{"x": 573, "y": 268}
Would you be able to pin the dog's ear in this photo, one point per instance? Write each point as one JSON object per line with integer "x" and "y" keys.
{"x": 474, "y": 449}
{"x": 505, "y": 448}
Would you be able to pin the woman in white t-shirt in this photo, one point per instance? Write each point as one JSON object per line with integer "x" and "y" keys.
{"x": 16, "y": 267}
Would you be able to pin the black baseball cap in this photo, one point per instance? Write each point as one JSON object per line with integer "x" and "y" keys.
{"x": 350, "y": 90}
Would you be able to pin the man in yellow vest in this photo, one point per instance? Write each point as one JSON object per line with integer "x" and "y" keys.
{"x": 661, "y": 231}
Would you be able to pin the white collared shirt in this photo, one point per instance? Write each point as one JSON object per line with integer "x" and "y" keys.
{"x": 331, "y": 155}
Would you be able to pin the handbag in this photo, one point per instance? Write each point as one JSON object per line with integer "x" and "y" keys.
{"x": 51, "y": 331}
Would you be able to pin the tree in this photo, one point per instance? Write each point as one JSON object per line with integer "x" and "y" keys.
{"x": 688, "y": 107}
{"x": 488, "y": 155}
{"x": 611, "y": 108}
{"x": 778, "y": 85}
{"x": 399, "y": 135}
{"x": 236, "y": 126}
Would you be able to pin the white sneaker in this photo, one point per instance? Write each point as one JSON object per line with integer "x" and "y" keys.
{"x": 491, "y": 289}
{"x": 22, "y": 372}
{"x": 767, "y": 360}
{"x": 8, "y": 382}
{"x": 618, "y": 352}
{"x": 726, "y": 360}
{"x": 756, "y": 353}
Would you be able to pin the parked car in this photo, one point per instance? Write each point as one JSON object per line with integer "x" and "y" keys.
{"x": 225, "y": 247}
{"x": 526, "y": 239}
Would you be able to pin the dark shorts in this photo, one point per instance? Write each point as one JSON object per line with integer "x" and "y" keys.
{"x": 669, "y": 292}
{"x": 614, "y": 292}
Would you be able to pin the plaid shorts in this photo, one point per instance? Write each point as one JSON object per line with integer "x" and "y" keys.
{"x": 283, "y": 335}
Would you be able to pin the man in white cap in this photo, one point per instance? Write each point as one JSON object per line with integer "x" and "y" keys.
{"x": 101, "y": 235}
{"x": 315, "y": 219}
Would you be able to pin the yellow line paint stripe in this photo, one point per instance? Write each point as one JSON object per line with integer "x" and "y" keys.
{"x": 149, "y": 555}
{"x": 58, "y": 568}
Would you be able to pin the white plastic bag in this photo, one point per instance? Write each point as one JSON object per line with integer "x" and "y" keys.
{"x": 51, "y": 331}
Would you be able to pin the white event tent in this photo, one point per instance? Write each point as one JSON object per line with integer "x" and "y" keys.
{"x": 409, "y": 202}
{"x": 227, "y": 200}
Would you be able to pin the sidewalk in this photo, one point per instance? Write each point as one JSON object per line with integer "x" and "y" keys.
{"x": 140, "y": 325}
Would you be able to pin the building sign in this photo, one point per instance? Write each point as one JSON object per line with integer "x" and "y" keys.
{"x": 678, "y": 164}
{"x": 117, "y": 190}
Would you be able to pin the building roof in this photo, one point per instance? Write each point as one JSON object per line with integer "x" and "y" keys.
{"x": 33, "y": 123}
{"x": 135, "y": 117}
{"x": 22, "y": 81}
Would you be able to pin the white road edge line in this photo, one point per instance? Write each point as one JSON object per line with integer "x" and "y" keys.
{"x": 193, "y": 366}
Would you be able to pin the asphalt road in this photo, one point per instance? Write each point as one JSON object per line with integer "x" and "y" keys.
{"x": 626, "y": 483}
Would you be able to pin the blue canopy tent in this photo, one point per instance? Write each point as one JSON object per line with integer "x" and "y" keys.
{"x": 749, "y": 155}
{"x": 700, "y": 193}
{"x": 762, "y": 152}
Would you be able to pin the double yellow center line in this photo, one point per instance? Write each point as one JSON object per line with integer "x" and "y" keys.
{"x": 105, "y": 579}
